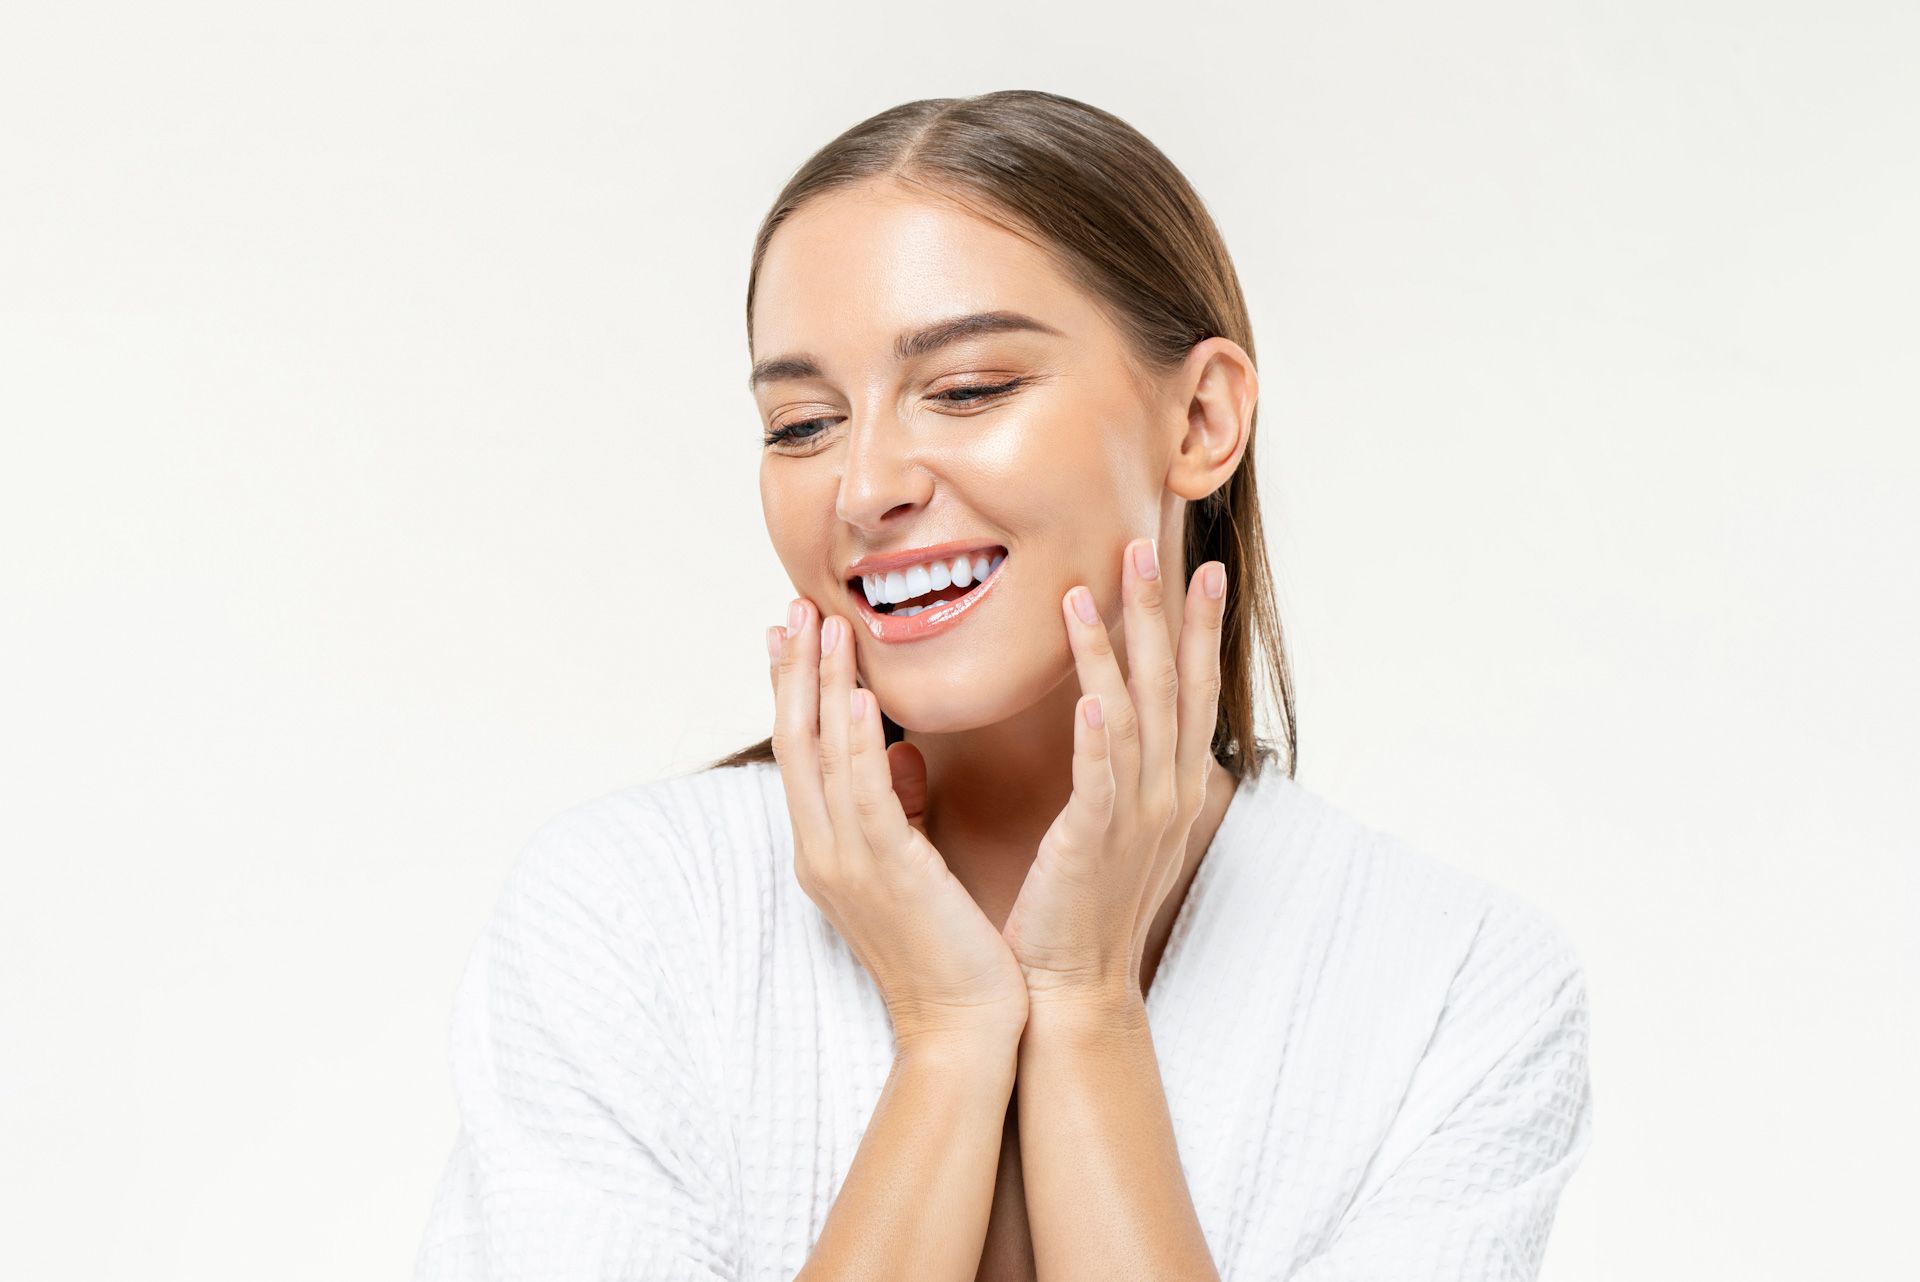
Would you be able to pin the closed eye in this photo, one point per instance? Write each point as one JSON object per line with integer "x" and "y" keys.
{"x": 807, "y": 429}
{"x": 967, "y": 395}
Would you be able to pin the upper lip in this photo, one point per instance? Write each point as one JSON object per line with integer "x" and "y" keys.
{"x": 914, "y": 556}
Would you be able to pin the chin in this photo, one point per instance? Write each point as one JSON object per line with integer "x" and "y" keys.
{"x": 963, "y": 701}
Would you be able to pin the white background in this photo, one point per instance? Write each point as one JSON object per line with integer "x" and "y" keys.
{"x": 378, "y": 481}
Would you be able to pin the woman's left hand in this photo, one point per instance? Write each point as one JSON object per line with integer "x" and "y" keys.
{"x": 1142, "y": 758}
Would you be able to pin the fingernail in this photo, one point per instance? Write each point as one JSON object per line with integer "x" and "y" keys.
{"x": 1083, "y": 605}
{"x": 856, "y": 706}
{"x": 1094, "y": 715}
{"x": 829, "y": 636}
{"x": 1146, "y": 559}
{"x": 796, "y": 615}
{"x": 775, "y": 635}
{"x": 1216, "y": 580}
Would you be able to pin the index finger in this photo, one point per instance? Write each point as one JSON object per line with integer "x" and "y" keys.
{"x": 796, "y": 726}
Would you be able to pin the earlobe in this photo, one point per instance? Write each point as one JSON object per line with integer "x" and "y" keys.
{"x": 1222, "y": 389}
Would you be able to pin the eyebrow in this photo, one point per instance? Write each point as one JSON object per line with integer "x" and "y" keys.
{"x": 907, "y": 346}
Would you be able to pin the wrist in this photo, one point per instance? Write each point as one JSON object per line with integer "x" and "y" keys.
{"x": 986, "y": 1055}
{"x": 1095, "y": 1014}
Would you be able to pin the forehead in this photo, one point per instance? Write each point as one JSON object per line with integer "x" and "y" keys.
{"x": 851, "y": 269}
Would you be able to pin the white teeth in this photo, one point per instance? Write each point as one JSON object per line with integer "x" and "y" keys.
{"x": 897, "y": 587}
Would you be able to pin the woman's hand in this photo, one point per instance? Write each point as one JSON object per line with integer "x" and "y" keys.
{"x": 944, "y": 971}
{"x": 1142, "y": 757}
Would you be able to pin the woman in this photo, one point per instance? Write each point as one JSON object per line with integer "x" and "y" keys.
{"x": 1013, "y": 952}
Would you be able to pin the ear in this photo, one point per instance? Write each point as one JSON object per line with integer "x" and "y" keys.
{"x": 1218, "y": 387}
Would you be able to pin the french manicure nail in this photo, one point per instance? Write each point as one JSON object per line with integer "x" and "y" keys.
{"x": 1084, "y": 607}
{"x": 796, "y": 615}
{"x": 1146, "y": 559}
{"x": 830, "y": 635}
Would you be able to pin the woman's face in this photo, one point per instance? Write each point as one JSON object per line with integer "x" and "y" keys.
{"x": 1029, "y": 439}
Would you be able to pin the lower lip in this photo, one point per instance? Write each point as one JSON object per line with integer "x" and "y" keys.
{"x": 890, "y": 628}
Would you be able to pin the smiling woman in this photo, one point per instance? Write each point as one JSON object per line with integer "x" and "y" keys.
{"x": 1014, "y": 303}
{"x": 1015, "y": 950}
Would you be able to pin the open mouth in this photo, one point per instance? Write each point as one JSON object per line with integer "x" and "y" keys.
{"x": 907, "y": 590}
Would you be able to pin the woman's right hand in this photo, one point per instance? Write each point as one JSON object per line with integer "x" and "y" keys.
{"x": 945, "y": 973}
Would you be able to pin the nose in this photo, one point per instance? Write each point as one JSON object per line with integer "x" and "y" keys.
{"x": 881, "y": 478}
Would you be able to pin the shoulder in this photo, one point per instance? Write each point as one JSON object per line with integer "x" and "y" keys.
{"x": 1457, "y": 987}
{"x": 1475, "y": 944}
{"x": 664, "y": 832}
{"x": 664, "y": 861}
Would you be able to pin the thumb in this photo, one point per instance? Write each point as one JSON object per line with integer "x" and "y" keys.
{"x": 909, "y": 769}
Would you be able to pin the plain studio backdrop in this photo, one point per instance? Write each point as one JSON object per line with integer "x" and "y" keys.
{"x": 378, "y": 481}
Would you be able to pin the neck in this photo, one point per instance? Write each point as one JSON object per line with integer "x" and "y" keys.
{"x": 993, "y": 791}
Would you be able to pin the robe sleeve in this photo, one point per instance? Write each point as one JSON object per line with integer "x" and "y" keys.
{"x": 593, "y": 1142}
{"x": 1497, "y": 1118}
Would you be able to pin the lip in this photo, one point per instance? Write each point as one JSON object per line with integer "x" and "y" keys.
{"x": 891, "y": 628}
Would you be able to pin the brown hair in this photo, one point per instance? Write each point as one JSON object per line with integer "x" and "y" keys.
{"x": 1127, "y": 227}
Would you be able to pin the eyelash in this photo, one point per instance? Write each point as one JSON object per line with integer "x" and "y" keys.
{"x": 975, "y": 395}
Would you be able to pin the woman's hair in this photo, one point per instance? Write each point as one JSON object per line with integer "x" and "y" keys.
{"x": 1128, "y": 228}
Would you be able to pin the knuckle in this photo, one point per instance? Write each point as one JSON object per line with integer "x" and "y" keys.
{"x": 804, "y": 873}
{"x": 1166, "y": 683}
{"x": 868, "y": 804}
{"x": 1158, "y": 814}
{"x": 825, "y": 868}
{"x": 809, "y": 869}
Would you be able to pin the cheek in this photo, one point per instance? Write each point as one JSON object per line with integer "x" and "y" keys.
{"x": 1066, "y": 484}
{"x": 800, "y": 501}
{"x": 1080, "y": 467}
{"x": 1046, "y": 456}
{"x": 791, "y": 504}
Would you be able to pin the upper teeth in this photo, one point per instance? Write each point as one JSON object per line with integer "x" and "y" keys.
{"x": 908, "y": 582}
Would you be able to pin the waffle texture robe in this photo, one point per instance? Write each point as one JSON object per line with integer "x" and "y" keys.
{"x": 664, "y": 1056}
